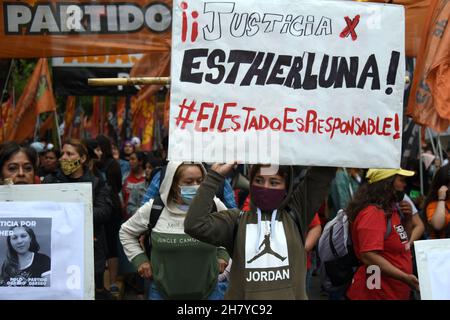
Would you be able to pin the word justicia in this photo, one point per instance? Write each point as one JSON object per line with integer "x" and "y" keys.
{"x": 222, "y": 18}
{"x": 85, "y": 18}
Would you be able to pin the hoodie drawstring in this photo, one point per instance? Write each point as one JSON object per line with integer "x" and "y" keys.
{"x": 259, "y": 226}
{"x": 261, "y": 234}
{"x": 272, "y": 224}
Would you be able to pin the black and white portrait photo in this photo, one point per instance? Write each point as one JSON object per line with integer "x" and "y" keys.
{"x": 25, "y": 255}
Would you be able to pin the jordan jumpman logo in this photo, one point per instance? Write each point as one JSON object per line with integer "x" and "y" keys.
{"x": 267, "y": 249}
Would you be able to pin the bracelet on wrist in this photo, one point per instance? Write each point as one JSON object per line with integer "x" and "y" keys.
{"x": 441, "y": 199}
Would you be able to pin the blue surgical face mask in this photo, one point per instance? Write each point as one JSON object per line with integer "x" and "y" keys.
{"x": 188, "y": 193}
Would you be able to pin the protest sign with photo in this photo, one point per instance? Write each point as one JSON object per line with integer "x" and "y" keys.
{"x": 30, "y": 238}
{"x": 46, "y": 242}
{"x": 284, "y": 82}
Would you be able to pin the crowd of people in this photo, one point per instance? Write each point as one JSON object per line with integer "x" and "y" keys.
{"x": 174, "y": 230}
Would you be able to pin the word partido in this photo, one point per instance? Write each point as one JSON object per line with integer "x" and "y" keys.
{"x": 85, "y": 18}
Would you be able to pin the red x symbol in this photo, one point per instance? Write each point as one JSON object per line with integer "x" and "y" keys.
{"x": 350, "y": 28}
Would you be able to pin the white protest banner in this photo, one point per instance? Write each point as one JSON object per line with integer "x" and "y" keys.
{"x": 50, "y": 228}
{"x": 287, "y": 82}
{"x": 433, "y": 268}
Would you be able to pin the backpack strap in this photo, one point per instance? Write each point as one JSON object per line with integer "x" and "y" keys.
{"x": 163, "y": 174}
{"x": 157, "y": 208}
{"x": 330, "y": 239}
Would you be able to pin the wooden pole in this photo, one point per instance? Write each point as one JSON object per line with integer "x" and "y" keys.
{"x": 422, "y": 192}
{"x": 58, "y": 137}
{"x": 96, "y": 82}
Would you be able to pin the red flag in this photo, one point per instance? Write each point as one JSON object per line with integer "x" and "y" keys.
{"x": 37, "y": 97}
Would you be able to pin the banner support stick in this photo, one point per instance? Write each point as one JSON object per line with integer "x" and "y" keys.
{"x": 98, "y": 82}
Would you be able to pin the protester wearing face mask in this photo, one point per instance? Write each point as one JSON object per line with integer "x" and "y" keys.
{"x": 73, "y": 168}
{"x": 180, "y": 266}
{"x": 269, "y": 257}
{"x": 380, "y": 235}
{"x": 407, "y": 208}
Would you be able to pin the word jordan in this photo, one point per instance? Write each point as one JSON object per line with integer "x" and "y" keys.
{"x": 257, "y": 276}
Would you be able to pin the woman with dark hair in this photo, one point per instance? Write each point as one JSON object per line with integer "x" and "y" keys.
{"x": 74, "y": 168}
{"x": 18, "y": 164}
{"x": 180, "y": 266}
{"x": 269, "y": 256}
{"x": 437, "y": 205}
{"x": 134, "y": 184}
{"x": 110, "y": 170}
{"x": 50, "y": 163}
{"x": 24, "y": 265}
{"x": 94, "y": 155}
{"x": 380, "y": 237}
{"x": 124, "y": 164}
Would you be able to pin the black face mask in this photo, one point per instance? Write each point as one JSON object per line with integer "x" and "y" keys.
{"x": 399, "y": 195}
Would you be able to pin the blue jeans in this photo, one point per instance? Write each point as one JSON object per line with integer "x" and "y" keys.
{"x": 217, "y": 293}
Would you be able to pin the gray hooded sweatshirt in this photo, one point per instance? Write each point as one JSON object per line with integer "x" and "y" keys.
{"x": 268, "y": 254}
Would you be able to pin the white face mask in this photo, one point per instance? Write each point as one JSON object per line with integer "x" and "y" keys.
{"x": 188, "y": 193}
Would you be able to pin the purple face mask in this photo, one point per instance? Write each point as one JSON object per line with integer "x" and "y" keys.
{"x": 267, "y": 199}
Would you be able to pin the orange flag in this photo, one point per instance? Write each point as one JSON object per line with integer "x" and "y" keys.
{"x": 69, "y": 116}
{"x": 94, "y": 120}
{"x": 429, "y": 99}
{"x": 148, "y": 114}
{"x": 167, "y": 110}
{"x": 37, "y": 97}
{"x": 5, "y": 118}
{"x": 120, "y": 113}
{"x": 155, "y": 64}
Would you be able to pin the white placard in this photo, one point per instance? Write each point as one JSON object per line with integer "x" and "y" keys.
{"x": 433, "y": 267}
{"x": 61, "y": 222}
{"x": 287, "y": 82}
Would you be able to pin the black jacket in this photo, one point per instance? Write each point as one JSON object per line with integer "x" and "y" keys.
{"x": 102, "y": 210}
